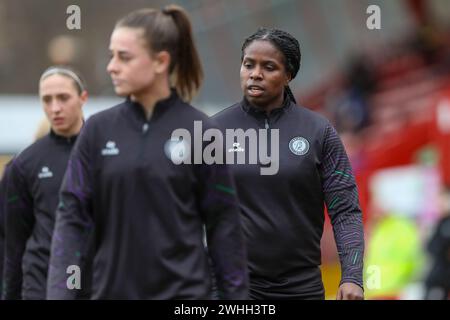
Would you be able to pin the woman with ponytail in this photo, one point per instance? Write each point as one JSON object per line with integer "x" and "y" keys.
{"x": 148, "y": 214}
{"x": 283, "y": 213}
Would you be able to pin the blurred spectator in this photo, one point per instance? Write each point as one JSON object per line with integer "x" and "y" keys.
{"x": 437, "y": 283}
{"x": 351, "y": 109}
{"x": 394, "y": 249}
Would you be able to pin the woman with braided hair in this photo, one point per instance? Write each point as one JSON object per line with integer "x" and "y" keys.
{"x": 283, "y": 213}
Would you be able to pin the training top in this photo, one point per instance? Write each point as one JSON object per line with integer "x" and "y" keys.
{"x": 283, "y": 214}
{"x": 148, "y": 213}
{"x": 3, "y": 183}
{"x": 34, "y": 179}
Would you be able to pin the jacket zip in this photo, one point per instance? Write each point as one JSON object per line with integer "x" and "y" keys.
{"x": 145, "y": 128}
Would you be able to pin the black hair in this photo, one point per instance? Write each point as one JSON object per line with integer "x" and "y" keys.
{"x": 288, "y": 46}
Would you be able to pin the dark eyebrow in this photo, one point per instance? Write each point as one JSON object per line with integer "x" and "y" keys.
{"x": 120, "y": 52}
{"x": 275, "y": 62}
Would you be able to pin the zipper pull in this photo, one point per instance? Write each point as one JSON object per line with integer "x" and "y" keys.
{"x": 145, "y": 128}
{"x": 267, "y": 124}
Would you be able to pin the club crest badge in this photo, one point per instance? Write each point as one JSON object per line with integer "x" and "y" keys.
{"x": 299, "y": 146}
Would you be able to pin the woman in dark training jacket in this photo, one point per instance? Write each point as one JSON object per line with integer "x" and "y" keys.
{"x": 148, "y": 213}
{"x": 283, "y": 211}
{"x": 3, "y": 182}
{"x": 32, "y": 183}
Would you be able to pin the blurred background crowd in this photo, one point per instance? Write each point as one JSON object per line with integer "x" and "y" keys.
{"x": 387, "y": 91}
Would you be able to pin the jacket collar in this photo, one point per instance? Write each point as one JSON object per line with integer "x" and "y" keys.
{"x": 138, "y": 111}
{"x": 66, "y": 140}
{"x": 60, "y": 139}
{"x": 261, "y": 113}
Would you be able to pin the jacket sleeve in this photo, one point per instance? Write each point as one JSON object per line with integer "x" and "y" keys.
{"x": 3, "y": 183}
{"x": 73, "y": 225}
{"x": 341, "y": 198}
{"x": 19, "y": 223}
{"x": 2, "y": 229}
{"x": 225, "y": 240}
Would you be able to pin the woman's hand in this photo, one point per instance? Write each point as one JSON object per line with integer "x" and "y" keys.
{"x": 350, "y": 291}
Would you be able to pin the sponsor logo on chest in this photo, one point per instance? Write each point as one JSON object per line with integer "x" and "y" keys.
{"x": 236, "y": 148}
{"x": 110, "y": 149}
{"x": 45, "y": 173}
